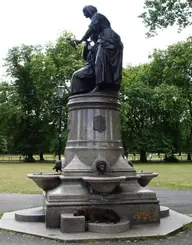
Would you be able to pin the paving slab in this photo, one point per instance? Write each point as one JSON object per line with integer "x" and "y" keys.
{"x": 167, "y": 226}
{"x": 10, "y": 238}
{"x": 178, "y": 200}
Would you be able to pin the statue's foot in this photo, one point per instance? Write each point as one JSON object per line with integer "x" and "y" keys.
{"x": 96, "y": 89}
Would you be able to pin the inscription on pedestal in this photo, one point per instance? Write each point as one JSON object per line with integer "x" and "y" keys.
{"x": 99, "y": 123}
{"x": 146, "y": 215}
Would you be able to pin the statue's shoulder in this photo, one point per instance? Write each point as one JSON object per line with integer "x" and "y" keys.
{"x": 98, "y": 16}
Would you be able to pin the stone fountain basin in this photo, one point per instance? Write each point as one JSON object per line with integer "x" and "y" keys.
{"x": 145, "y": 178}
{"x": 104, "y": 184}
{"x": 45, "y": 181}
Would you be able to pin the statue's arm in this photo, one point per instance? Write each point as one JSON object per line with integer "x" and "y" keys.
{"x": 87, "y": 35}
{"x": 93, "y": 29}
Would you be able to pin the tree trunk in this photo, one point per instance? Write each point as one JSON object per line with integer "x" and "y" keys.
{"x": 143, "y": 156}
{"x": 41, "y": 158}
{"x": 29, "y": 158}
{"x": 188, "y": 157}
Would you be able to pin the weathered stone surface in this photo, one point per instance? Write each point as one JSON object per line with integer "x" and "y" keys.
{"x": 94, "y": 134}
{"x": 146, "y": 213}
{"x": 164, "y": 211}
{"x": 72, "y": 224}
{"x": 45, "y": 181}
{"x": 127, "y": 200}
{"x": 30, "y": 215}
{"x": 145, "y": 178}
{"x": 104, "y": 185}
{"x": 168, "y": 225}
{"x": 99, "y": 123}
{"x": 94, "y": 171}
{"x": 138, "y": 211}
{"x": 122, "y": 226}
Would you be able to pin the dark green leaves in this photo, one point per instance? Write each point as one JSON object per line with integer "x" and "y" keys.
{"x": 159, "y": 14}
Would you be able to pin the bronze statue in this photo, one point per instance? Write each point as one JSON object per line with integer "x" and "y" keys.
{"x": 103, "y": 66}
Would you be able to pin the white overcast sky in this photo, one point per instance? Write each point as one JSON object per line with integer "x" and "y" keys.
{"x": 39, "y": 21}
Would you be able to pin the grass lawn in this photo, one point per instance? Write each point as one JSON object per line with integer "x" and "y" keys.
{"x": 13, "y": 176}
{"x": 175, "y": 176}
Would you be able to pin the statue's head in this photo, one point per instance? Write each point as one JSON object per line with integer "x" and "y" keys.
{"x": 89, "y": 11}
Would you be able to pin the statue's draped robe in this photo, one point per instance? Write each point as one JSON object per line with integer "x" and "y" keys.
{"x": 83, "y": 80}
{"x": 105, "y": 67}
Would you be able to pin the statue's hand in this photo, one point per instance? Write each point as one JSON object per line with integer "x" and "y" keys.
{"x": 77, "y": 41}
{"x": 72, "y": 43}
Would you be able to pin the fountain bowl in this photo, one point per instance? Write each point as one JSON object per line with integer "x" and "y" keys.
{"x": 145, "y": 178}
{"x": 45, "y": 181}
{"x": 104, "y": 185}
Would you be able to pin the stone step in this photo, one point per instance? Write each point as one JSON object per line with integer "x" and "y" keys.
{"x": 164, "y": 211}
{"x": 72, "y": 224}
{"x": 31, "y": 215}
{"x": 107, "y": 228}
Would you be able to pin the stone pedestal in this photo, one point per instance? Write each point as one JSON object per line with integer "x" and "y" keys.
{"x": 129, "y": 200}
{"x": 122, "y": 226}
{"x": 72, "y": 224}
{"x": 94, "y": 172}
{"x": 94, "y": 136}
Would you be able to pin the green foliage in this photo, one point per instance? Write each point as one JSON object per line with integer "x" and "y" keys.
{"x": 160, "y": 14}
{"x": 175, "y": 70}
{"x": 149, "y": 114}
{"x": 3, "y": 144}
{"x": 31, "y": 103}
{"x": 156, "y": 109}
{"x": 136, "y": 110}
{"x": 65, "y": 58}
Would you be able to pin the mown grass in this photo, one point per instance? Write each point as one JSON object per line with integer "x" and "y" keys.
{"x": 13, "y": 176}
{"x": 176, "y": 176}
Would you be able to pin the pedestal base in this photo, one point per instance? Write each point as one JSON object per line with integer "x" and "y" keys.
{"x": 129, "y": 200}
{"x": 122, "y": 226}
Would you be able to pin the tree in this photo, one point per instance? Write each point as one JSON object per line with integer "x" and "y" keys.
{"x": 136, "y": 109}
{"x": 9, "y": 114}
{"x": 177, "y": 60}
{"x": 160, "y": 14}
{"x": 27, "y": 128}
{"x": 35, "y": 72}
{"x": 3, "y": 110}
{"x": 65, "y": 58}
{"x": 151, "y": 111}
{"x": 62, "y": 60}
{"x": 168, "y": 107}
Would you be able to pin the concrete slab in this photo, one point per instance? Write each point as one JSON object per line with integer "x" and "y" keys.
{"x": 72, "y": 224}
{"x": 168, "y": 225}
{"x": 110, "y": 228}
{"x": 164, "y": 211}
{"x": 31, "y": 215}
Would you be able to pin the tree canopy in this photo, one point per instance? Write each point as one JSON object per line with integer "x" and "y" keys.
{"x": 29, "y": 103}
{"x": 159, "y": 14}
